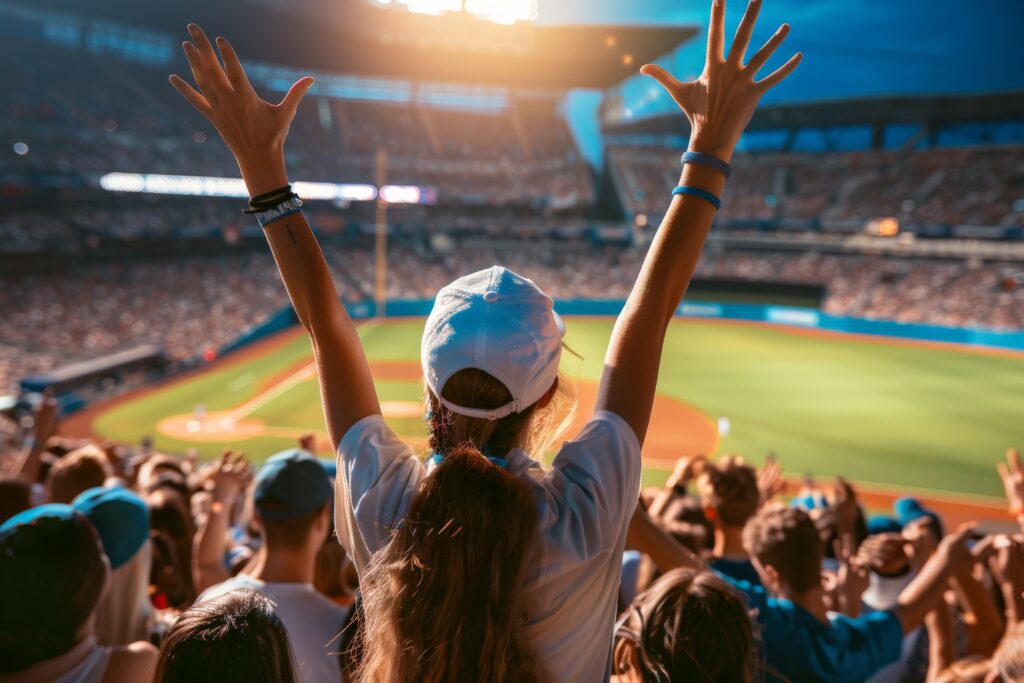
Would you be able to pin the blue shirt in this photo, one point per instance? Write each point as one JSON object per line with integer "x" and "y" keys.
{"x": 802, "y": 648}
{"x": 740, "y": 570}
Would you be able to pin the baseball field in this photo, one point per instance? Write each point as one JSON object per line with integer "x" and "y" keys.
{"x": 896, "y": 416}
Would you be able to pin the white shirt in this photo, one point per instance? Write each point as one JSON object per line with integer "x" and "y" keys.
{"x": 311, "y": 620}
{"x": 585, "y": 502}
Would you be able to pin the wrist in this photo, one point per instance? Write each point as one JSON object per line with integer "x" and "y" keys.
{"x": 263, "y": 171}
{"x": 707, "y": 145}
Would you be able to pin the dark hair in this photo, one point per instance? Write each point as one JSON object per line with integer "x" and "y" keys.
{"x": 172, "y": 534}
{"x": 235, "y": 638}
{"x": 687, "y": 626}
{"x": 786, "y": 539}
{"x": 52, "y": 575}
{"x": 443, "y": 599}
{"x": 729, "y": 487}
{"x": 15, "y": 497}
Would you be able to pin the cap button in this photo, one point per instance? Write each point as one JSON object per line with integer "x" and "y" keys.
{"x": 490, "y": 296}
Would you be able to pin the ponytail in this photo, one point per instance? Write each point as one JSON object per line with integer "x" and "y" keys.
{"x": 443, "y": 600}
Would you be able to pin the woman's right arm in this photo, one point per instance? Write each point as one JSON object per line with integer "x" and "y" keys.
{"x": 255, "y": 131}
{"x": 719, "y": 105}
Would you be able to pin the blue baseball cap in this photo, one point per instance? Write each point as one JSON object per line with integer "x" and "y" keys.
{"x": 121, "y": 518}
{"x": 909, "y": 509}
{"x": 291, "y": 484}
{"x": 499, "y": 322}
{"x": 881, "y": 524}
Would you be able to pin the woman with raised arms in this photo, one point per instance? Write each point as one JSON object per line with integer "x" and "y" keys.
{"x": 476, "y": 562}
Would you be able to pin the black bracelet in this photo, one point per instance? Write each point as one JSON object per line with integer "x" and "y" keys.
{"x": 268, "y": 200}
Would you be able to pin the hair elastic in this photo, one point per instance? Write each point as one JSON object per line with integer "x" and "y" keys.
{"x": 700, "y": 159}
{"x": 697, "y": 192}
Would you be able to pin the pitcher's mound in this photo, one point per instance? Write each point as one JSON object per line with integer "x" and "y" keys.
{"x": 211, "y": 428}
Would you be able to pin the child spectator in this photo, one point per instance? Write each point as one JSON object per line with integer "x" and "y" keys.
{"x": 687, "y": 626}
{"x": 235, "y": 638}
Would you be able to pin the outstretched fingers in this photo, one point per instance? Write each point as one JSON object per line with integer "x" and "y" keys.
{"x": 207, "y": 57}
{"x": 233, "y": 67}
{"x": 766, "y": 51}
{"x": 189, "y": 93}
{"x": 290, "y": 103}
{"x": 716, "y": 32}
{"x": 746, "y": 27}
{"x": 777, "y": 76}
{"x": 676, "y": 88}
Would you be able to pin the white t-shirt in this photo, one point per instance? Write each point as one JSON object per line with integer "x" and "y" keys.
{"x": 585, "y": 502}
{"x": 312, "y": 621}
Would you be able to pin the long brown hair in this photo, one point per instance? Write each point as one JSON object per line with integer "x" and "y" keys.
{"x": 444, "y": 600}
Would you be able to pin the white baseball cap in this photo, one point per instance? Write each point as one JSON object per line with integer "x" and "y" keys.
{"x": 496, "y": 321}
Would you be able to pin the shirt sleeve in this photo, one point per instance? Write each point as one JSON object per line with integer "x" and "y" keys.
{"x": 593, "y": 487}
{"x": 377, "y": 477}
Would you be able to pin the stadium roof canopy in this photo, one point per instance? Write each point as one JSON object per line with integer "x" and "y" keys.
{"x": 362, "y": 39}
{"x": 933, "y": 111}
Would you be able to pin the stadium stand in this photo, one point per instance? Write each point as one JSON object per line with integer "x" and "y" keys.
{"x": 730, "y": 572}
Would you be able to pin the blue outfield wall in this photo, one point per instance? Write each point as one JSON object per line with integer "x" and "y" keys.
{"x": 779, "y": 315}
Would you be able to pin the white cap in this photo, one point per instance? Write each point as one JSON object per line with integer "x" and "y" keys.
{"x": 496, "y": 321}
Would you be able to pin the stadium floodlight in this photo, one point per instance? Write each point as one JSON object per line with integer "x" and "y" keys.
{"x": 207, "y": 186}
{"x": 401, "y": 194}
{"x": 497, "y": 11}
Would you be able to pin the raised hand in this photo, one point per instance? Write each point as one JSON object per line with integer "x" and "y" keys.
{"x": 253, "y": 129}
{"x": 1012, "y": 475}
{"x": 852, "y": 577}
{"x": 721, "y": 101}
{"x": 687, "y": 468}
{"x": 769, "y": 479}
{"x": 231, "y": 476}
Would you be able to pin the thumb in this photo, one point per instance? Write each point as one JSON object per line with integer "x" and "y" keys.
{"x": 667, "y": 80}
{"x": 290, "y": 103}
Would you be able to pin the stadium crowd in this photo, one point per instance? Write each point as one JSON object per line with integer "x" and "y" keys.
{"x": 472, "y": 561}
{"x": 110, "y": 552}
{"x": 961, "y": 186}
{"x": 190, "y": 305}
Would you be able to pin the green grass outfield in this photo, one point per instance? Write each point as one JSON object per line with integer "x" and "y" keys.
{"x": 873, "y": 410}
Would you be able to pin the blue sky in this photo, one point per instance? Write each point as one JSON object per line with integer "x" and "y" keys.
{"x": 851, "y": 48}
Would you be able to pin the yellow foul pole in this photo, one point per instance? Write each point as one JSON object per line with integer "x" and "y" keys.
{"x": 380, "y": 289}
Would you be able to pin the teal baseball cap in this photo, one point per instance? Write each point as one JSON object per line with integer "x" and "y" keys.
{"x": 121, "y": 519}
{"x": 291, "y": 484}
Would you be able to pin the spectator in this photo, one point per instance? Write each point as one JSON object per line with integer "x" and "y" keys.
{"x": 688, "y": 626}
{"x": 52, "y": 577}
{"x": 76, "y": 472}
{"x": 802, "y": 640}
{"x": 730, "y": 496}
{"x": 234, "y": 638}
{"x": 292, "y": 498}
{"x": 121, "y": 519}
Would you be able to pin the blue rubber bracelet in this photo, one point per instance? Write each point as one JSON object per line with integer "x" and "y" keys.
{"x": 697, "y": 192}
{"x": 706, "y": 160}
